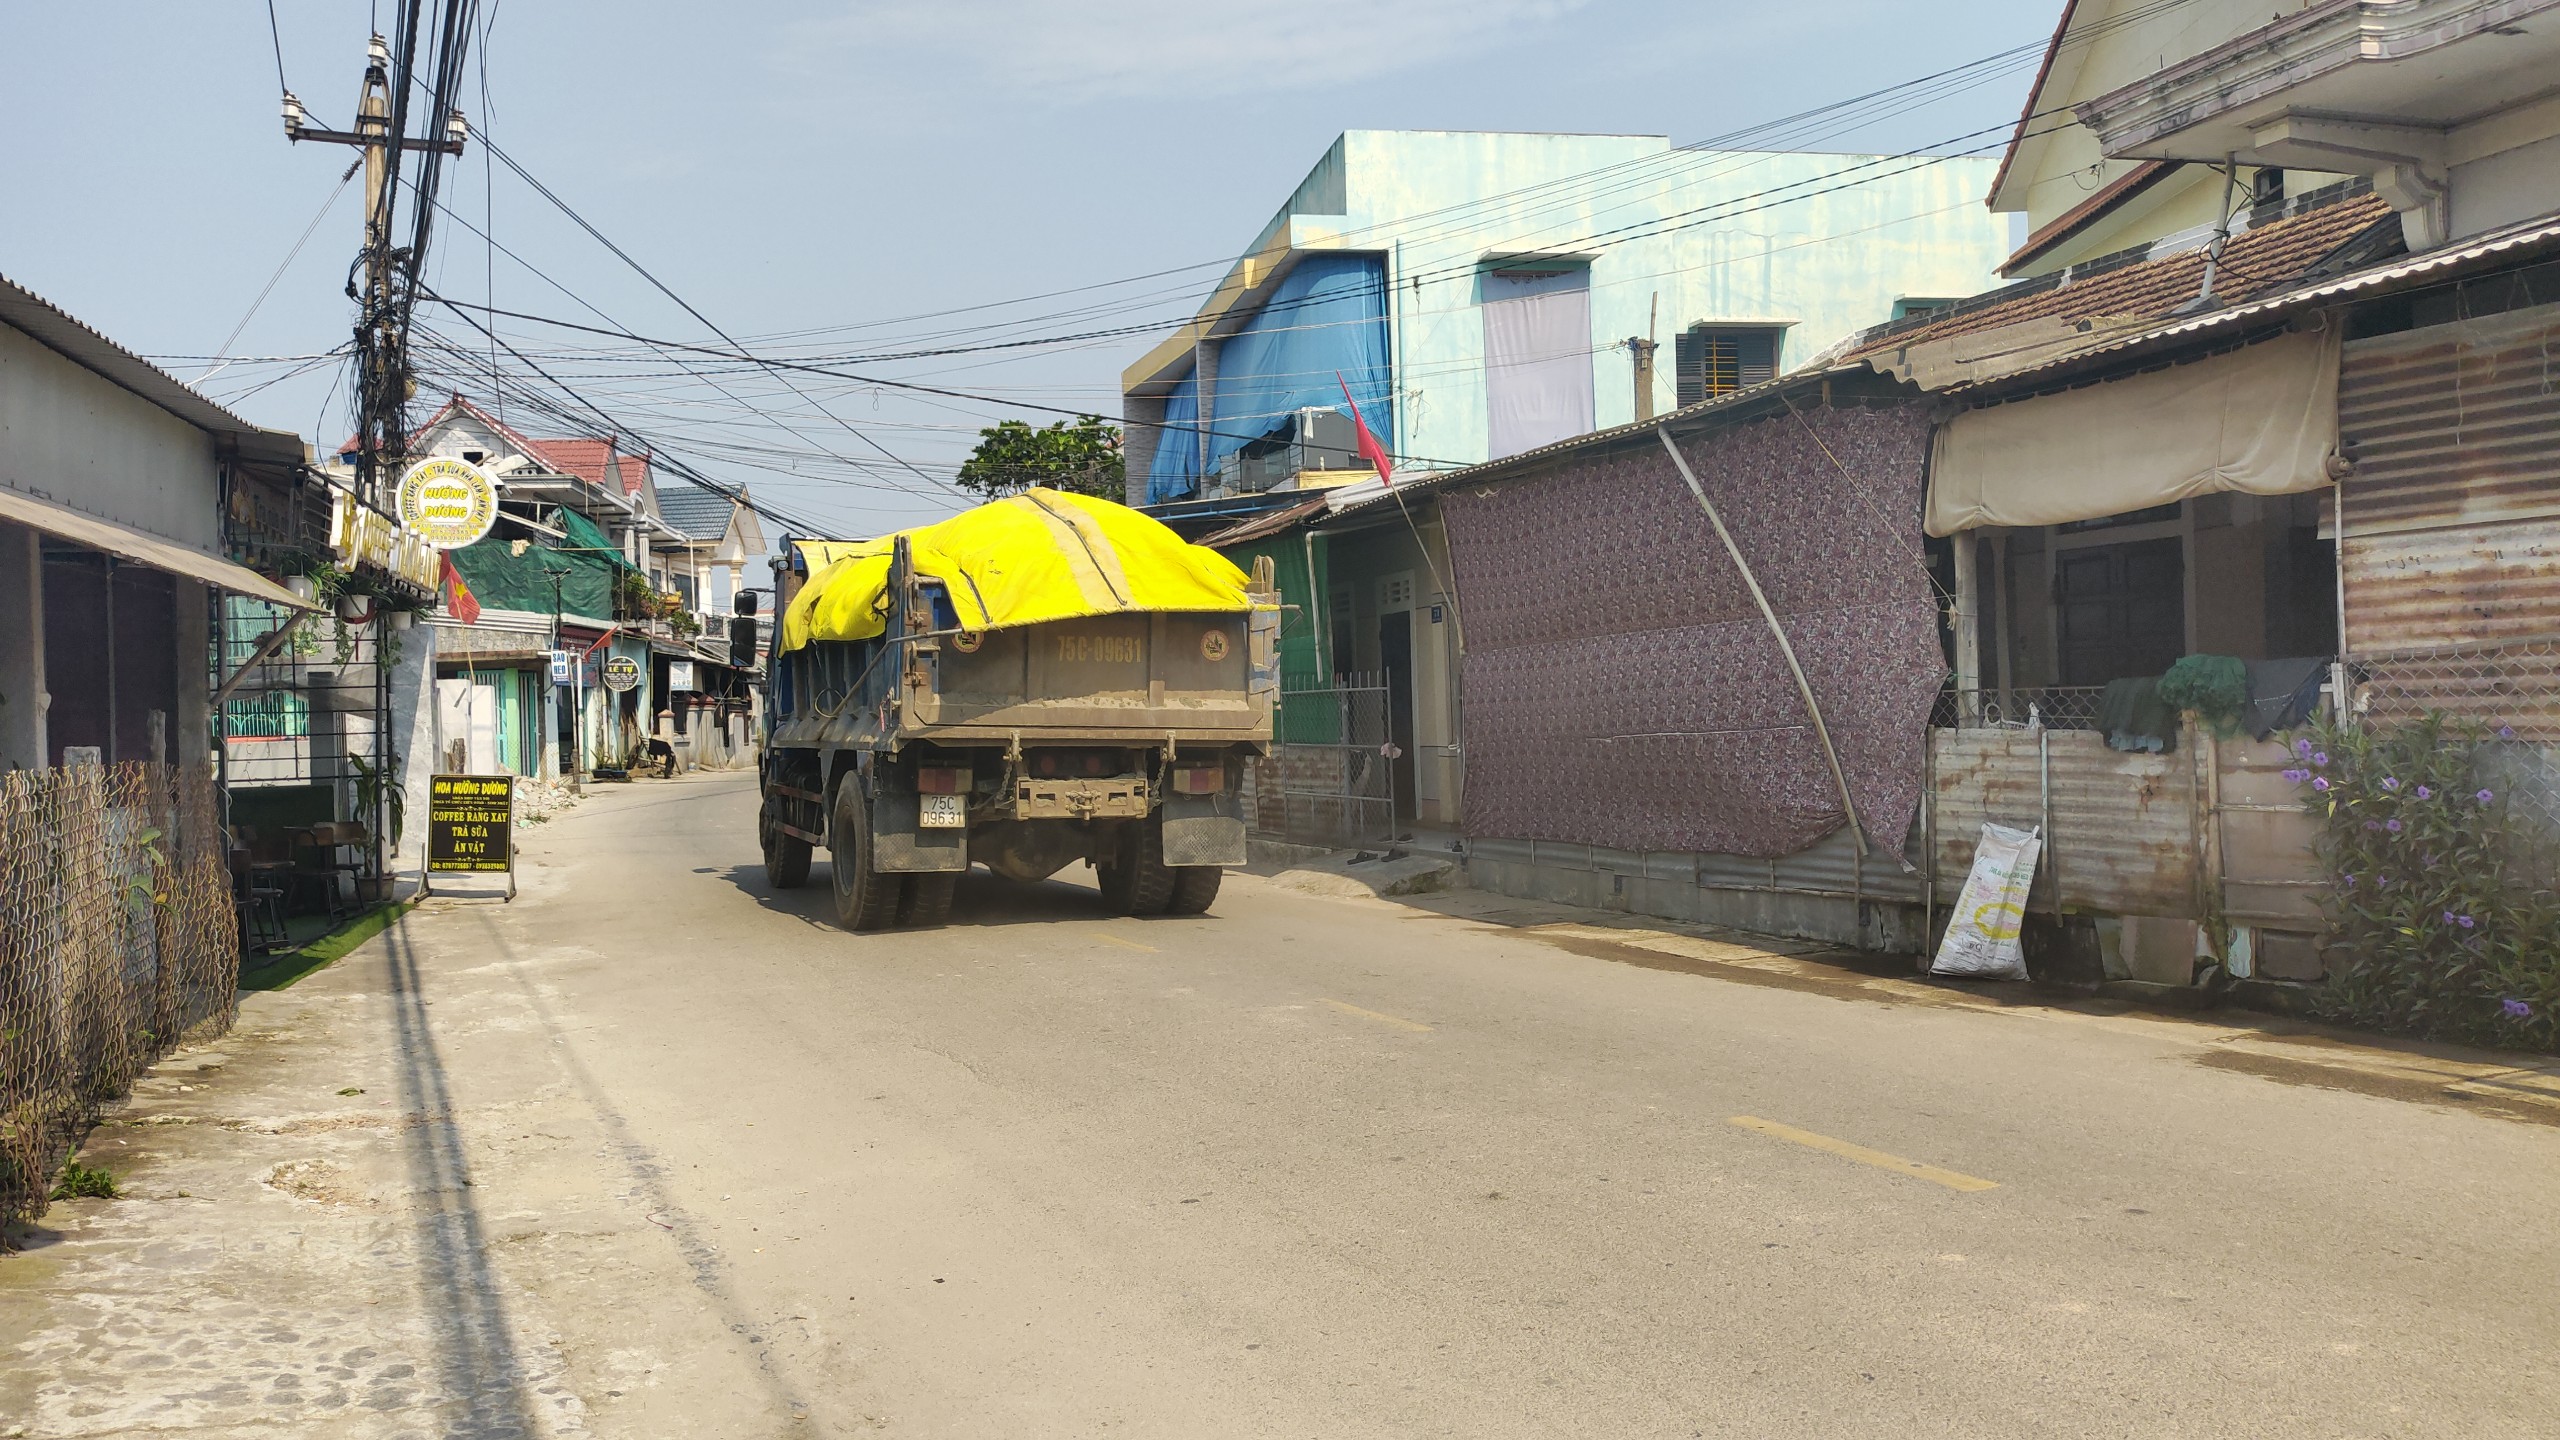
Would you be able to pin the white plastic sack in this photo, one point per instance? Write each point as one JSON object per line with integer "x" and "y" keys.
{"x": 1982, "y": 935}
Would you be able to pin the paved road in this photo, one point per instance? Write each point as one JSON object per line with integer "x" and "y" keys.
{"x": 653, "y": 1151}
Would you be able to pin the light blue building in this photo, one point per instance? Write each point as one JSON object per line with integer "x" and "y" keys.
{"x": 1483, "y": 294}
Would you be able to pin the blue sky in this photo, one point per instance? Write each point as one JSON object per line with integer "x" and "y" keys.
{"x": 791, "y": 168}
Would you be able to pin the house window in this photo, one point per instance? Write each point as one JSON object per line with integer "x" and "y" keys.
{"x": 266, "y": 715}
{"x": 1714, "y": 360}
{"x": 1910, "y": 305}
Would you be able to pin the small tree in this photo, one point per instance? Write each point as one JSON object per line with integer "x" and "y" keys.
{"x": 1082, "y": 455}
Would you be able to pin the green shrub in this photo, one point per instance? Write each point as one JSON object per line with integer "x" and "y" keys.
{"x": 2440, "y": 894}
{"x": 81, "y": 1182}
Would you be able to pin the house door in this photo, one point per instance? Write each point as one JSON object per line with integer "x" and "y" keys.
{"x": 467, "y": 724}
{"x": 1395, "y": 657}
{"x": 2123, "y": 610}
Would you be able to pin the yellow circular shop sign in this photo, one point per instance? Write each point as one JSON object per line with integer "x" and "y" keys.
{"x": 449, "y": 503}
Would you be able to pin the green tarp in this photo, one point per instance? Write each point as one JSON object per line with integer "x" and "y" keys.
{"x": 502, "y": 580}
{"x": 586, "y": 538}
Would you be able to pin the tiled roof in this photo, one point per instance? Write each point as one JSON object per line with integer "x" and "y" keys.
{"x": 695, "y": 512}
{"x": 2259, "y": 260}
{"x": 635, "y": 472}
{"x": 587, "y": 459}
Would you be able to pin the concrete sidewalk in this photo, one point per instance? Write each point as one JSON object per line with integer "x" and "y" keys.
{"x": 307, "y": 1242}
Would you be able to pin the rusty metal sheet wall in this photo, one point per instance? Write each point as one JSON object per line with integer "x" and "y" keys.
{"x": 2123, "y": 838}
{"x": 2269, "y": 875}
{"x": 2453, "y": 510}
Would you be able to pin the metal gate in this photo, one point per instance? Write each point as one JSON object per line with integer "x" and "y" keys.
{"x": 1329, "y": 780}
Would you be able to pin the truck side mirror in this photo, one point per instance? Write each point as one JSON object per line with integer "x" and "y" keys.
{"x": 742, "y": 640}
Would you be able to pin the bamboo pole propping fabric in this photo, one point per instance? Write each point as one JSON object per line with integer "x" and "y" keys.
{"x": 2262, "y": 420}
{"x": 1621, "y": 686}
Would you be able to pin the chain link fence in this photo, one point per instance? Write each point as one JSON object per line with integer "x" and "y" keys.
{"x": 2053, "y": 707}
{"x": 117, "y": 940}
{"x": 1330, "y": 778}
{"x": 2510, "y": 694}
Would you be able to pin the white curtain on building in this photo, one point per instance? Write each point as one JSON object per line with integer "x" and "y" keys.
{"x": 1537, "y": 358}
{"x": 2262, "y": 420}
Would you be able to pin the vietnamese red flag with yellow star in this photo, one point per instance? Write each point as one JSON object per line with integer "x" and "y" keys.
{"x": 459, "y": 602}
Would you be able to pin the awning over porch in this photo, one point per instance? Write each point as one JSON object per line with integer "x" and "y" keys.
{"x": 2262, "y": 420}
{"x": 64, "y": 523}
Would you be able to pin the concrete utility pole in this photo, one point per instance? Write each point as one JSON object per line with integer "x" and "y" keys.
{"x": 1643, "y": 350}
{"x": 383, "y": 383}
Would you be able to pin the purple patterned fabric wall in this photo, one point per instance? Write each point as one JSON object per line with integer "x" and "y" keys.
{"x": 1621, "y": 687}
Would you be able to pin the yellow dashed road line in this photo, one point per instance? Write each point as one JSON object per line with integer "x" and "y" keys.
{"x": 1397, "y": 1021}
{"x": 1864, "y": 1156}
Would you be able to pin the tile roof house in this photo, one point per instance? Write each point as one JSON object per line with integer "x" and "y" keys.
{"x": 696, "y": 512}
{"x": 2278, "y": 248}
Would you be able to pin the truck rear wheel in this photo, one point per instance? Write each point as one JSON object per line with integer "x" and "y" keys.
{"x": 1195, "y": 889}
{"x": 1136, "y": 881}
{"x": 786, "y": 857}
{"x": 927, "y": 903}
{"x": 866, "y": 899}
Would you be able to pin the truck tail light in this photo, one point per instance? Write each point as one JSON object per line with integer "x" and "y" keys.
{"x": 937, "y": 780}
{"x": 1199, "y": 779}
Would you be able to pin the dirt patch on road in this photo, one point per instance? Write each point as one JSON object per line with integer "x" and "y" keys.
{"x": 318, "y": 1182}
{"x": 2476, "y": 1097}
{"x": 1812, "y": 972}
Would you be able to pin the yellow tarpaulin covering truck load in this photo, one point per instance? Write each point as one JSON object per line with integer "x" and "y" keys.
{"x": 1044, "y": 679}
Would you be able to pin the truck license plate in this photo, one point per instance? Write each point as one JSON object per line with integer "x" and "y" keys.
{"x": 945, "y": 812}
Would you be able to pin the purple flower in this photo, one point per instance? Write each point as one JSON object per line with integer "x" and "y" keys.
{"x": 2297, "y": 776}
{"x": 2389, "y": 783}
{"x": 2425, "y": 794}
{"x": 2321, "y": 783}
{"x": 2508, "y": 732}
{"x": 2448, "y": 917}
{"x": 2350, "y": 881}
{"x": 2302, "y": 746}
{"x": 2485, "y": 796}
{"x": 2391, "y": 825}
{"x": 2516, "y": 1009}
{"x": 2320, "y": 757}
{"x": 2465, "y": 921}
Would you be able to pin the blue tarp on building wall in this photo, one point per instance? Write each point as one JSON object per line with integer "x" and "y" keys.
{"x": 1328, "y": 316}
{"x": 1176, "y": 469}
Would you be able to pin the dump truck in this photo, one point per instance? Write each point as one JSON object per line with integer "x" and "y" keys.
{"x": 1045, "y": 679}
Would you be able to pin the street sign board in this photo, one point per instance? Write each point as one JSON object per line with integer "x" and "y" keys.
{"x": 470, "y": 826}
{"x": 621, "y": 673}
{"x": 449, "y": 503}
{"x": 559, "y": 667}
{"x": 679, "y": 674}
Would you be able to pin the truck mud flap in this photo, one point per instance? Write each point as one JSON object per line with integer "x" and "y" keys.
{"x": 1203, "y": 830}
{"x": 901, "y": 846}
